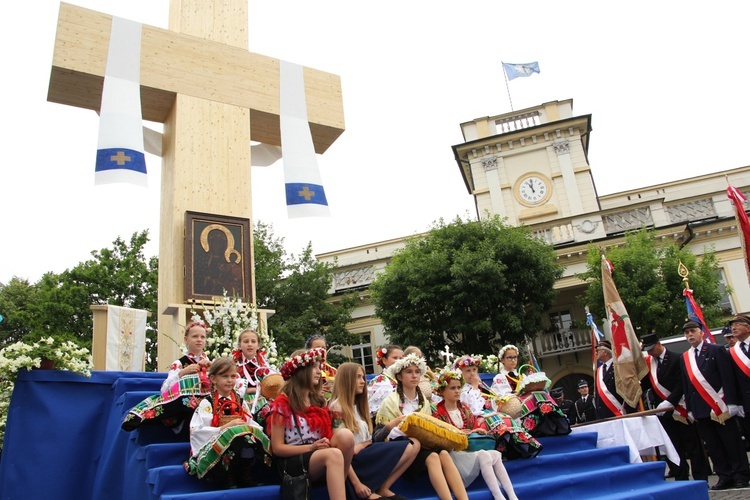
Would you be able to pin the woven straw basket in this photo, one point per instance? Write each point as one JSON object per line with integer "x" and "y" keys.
{"x": 270, "y": 385}
{"x": 511, "y": 406}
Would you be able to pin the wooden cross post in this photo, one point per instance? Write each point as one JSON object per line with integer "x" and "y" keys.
{"x": 212, "y": 95}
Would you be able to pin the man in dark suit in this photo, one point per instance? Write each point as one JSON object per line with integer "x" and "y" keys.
{"x": 664, "y": 382}
{"x": 608, "y": 402}
{"x": 584, "y": 406}
{"x": 565, "y": 405}
{"x": 706, "y": 372}
{"x": 740, "y": 354}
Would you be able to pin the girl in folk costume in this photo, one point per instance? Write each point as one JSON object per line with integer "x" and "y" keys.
{"x": 252, "y": 368}
{"x": 429, "y": 379}
{"x": 251, "y": 365}
{"x": 376, "y": 465}
{"x": 329, "y": 372}
{"x": 224, "y": 439}
{"x": 511, "y": 439}
{"x": 186, "y": 383}
{"x": 301, "y": 429}
{"x": 407, "y": 399}
{"x": 540, "y": 415}
{"x": 470, "y": 463}
{"x": 381, "y": 386}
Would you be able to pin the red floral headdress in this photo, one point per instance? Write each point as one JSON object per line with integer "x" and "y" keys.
{"x": 466, "y": 361}
{"x": 380, "y": 355}
{"x": 195, "y": 323}
{"x": 290, "y": 366}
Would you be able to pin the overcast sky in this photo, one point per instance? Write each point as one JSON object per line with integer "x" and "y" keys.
{"x": 666, "y": 83}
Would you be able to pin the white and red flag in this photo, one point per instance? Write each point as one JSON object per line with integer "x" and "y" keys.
{"x": 630, "y": 367}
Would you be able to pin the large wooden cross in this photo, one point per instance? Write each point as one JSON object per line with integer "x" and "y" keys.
{"x": 212, "y": 95}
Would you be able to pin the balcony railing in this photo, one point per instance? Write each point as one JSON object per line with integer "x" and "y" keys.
{"x": 562, "y": 342}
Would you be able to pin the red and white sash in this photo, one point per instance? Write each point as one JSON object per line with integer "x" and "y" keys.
{"x": 680, "y": 412}
{"x": 714, "y": 399}
{"x": 741, "y": 359}
{"x": 607, "y": 397}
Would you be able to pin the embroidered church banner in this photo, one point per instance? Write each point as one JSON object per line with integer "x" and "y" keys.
{"x": 126, "y": 339}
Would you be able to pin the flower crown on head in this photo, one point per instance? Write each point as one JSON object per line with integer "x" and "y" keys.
{"x": 408, "y": 360}
{"x": 309, "y": 341}
{"x": 195, "y": 323}
{"x": 446, "y": 376}
{"x": 505, "y": 348}
{"x": 380, "y": 354}
{"x": 291, "y": 365}
{"x": 466, "y": 361}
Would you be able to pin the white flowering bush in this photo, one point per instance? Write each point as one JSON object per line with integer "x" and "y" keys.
{"x": 66, "y": 355}
{"x": 226, "y": 319}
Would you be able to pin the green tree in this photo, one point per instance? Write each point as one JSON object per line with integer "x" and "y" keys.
{"x": 473, "y": 285}
{"x": 59, "y": 304}
{"x": 297, "y": 288}
{"x": 649, "y": 285}
{"x": 16, "y": 299}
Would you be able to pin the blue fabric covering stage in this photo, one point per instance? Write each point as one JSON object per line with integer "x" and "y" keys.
{"x": 64, "y": 441}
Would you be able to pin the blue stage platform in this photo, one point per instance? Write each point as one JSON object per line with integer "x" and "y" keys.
{"x": 64, "y": 441}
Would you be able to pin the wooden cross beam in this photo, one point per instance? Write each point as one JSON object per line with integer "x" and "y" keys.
{"x": 174, "y": 63}
{"x": 212, "y": 95}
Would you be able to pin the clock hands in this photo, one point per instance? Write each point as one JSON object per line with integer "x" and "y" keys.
{"x": 531, "y": 185}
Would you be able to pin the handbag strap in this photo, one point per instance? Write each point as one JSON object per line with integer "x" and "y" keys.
{"x": 299, "y": 431}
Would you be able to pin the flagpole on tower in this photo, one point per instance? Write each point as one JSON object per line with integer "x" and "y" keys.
{"x": 507, "y": 87}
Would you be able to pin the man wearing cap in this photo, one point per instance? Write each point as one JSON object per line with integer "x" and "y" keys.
{"x": 664, "y": 381}
{"x": 585, "y": 407}
{"x": 711, "y": 398}
{"x": 728, "y": 336}
{"x": 565, "y": 405}
{"x": 740, "y": 354}
{"x": 608, "y": 402}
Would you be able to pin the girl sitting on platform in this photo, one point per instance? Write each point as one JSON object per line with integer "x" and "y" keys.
{"x": 252, "y": 368}
{"x": 224, "y": 439}
{"x": 511, "y": 438}
{"x": 408, "y": 398}
{"x": 186, "y": 384}
{"x": 470, "y": 463}
{"x": 195, "y": 360}
{"x": 429, "y": 379}
{"x": 382, "y": 385}
{"x": 302, "y": 436}
{"x": 329, "y": 372}
{"x": 378, "y": 465}
{"x": 540, "y": 415}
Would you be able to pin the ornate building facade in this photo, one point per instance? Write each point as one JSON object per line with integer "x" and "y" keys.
{"x": 531, "y": 167}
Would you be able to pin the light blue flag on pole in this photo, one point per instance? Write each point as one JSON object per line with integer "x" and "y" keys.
{"x": 120, "y": 156}
{"x": 305, "y": 196}
{"x": 520, "y": 70}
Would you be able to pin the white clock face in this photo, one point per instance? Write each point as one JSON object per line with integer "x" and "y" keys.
{"x": 533, "y": 189}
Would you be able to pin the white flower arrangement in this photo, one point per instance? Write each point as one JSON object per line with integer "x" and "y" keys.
{"x": 226, "y": 319}
{"x": 66, "y": 355}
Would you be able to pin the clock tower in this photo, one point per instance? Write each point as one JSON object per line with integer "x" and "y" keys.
{"x": 529, "y": 166}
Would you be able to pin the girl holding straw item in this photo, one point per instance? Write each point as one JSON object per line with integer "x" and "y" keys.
{"x": 407, "y": 399}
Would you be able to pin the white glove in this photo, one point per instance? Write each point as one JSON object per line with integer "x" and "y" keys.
{"x": 741, "y": 411}
{"x": 734, "y": 410}
{"x": 691, "y": 417}
{"x": 666, "y": 406}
